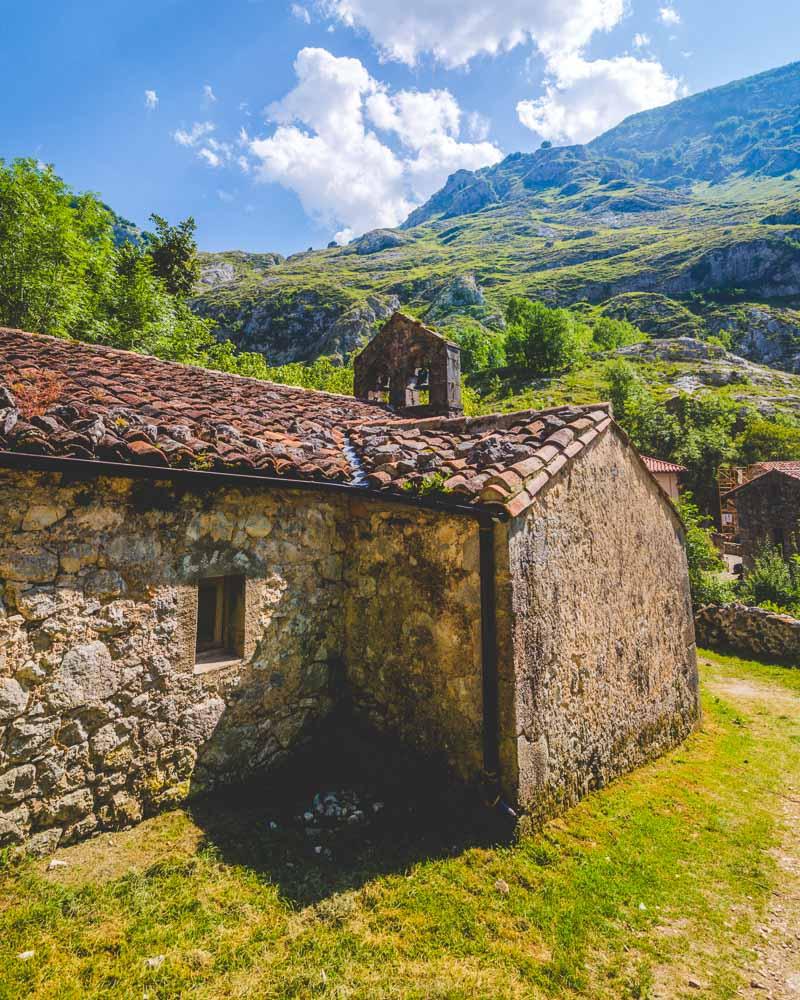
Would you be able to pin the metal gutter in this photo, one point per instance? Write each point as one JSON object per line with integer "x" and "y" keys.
{"x": 490, "y": 679}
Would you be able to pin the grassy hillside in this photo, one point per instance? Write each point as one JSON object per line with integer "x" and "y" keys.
{"x": 635, "y": 212}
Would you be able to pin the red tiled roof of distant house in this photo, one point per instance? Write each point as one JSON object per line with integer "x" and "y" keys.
{"x": 787, "y": 468}
{"x": 69, "y": 399}
{"x": 659, "y": 465}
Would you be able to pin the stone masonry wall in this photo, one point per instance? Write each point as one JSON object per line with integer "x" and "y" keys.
{"x": 749, "y": 632}
{"x": 603, "y": 636}
{"x": 102, "y": 716}
{"x": 413, "y": 629}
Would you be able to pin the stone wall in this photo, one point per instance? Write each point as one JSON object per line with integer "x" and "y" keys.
{"x": 104, "y": 716}
{"x": 750, "y": 632}
{"x": 604, "y": 652}
{"x": 413, "y": 630}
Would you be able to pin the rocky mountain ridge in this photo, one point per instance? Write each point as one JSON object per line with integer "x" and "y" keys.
{"x": 687, "y": 214}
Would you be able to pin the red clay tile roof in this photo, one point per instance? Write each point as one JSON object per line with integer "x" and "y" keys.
{"x": 659, "y": 465}
{"x": 787, "y": 468}
{"x": 69, "y": 399}
{"x": 96, "y": 402}
{"x": 502, "y": 459}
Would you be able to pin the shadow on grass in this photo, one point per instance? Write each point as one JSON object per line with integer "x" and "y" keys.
{"x": 412, "y": 811}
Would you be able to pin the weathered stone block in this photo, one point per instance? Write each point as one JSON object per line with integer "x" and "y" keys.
{"x": 13, "y": 698}
{"x": 16, "y": 783}
{"x": 41, "y": 516}
{"x": 27, "y": 739}
{"x": 105, "y": 583}
{"x": 86, "y": 674}
{"x": 14, "y": 825}
{"x": 73, "y": 806}
{"x": 28, "y": 562}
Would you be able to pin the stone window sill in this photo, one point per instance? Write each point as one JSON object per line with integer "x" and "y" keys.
{"x": 216, "y": 659}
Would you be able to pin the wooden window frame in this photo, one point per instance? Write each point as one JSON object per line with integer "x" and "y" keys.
{"x": 228, "y": 641}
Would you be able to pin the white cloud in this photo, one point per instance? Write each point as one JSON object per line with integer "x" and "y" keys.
{"x": 342, "y": 170}
{"x": 244, "y": 164}
{"x": 193, "y": 135}
{"x": 150, "y": 100}
{"x": 210, "y": 157}
{"x": 640, "y": 40}
{"x": 668, "y": 15}
{"x": 301, "y": 13}
{"x": 225, "y": 196}
{"x": 478, "y": 126}
{"x": 455, "y": 31}
{"x": 209, "y": 97}
{"x": 584, "y": 98}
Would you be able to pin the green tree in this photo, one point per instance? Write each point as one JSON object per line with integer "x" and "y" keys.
{"x": 651, "y": 427}
{"x": 60, "y": 273}
{"x": 480, "y": 348}
{"x": 174, "y": 254}
{"x": 768, "y": 440}
{"x": 609, "y": 334}
{"x": 57, "y": 254}
{"x": 705, "y": 562}
{"x": 708, "y": 427}
{"x": 545, "y": 340}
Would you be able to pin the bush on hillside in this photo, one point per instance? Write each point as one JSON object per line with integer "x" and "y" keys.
{"x": 547, "y": 341}
{"x": 705, "y": 562}
{"x": 772, "y": 581}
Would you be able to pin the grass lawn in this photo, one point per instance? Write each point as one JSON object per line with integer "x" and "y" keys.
{"x": 675, "y": 881}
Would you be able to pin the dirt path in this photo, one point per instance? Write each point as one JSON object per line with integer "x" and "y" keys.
{"x": 776, "y": 972}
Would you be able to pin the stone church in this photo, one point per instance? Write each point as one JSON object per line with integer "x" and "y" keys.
{"x": 195, "y": 567}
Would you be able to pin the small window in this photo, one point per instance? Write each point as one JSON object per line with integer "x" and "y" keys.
{"x": 220, "y": 621}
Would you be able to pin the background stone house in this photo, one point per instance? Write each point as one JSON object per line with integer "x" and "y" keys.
{"x": 767, "y": 509}
{"x": 196, "y": 568}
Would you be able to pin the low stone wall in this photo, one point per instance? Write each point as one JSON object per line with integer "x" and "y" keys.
{"x": 749, "y": 632}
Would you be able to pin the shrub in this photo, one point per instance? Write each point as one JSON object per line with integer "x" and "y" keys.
{"x": 545, "y": 340}
{"x": 772, "y": 581}
{"x": 609, "y": 334}
{"x": 705, "y": 562}
{"x": 480, "y": 348}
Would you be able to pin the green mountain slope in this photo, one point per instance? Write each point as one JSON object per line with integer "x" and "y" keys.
{"x": 685, "y": 219}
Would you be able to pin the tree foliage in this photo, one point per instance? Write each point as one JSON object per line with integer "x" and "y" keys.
{"x": 772, "y": 581}
{"x": 480, "y": 348}
{"x": 547, "y": 341}
{"x": 61, "y": 273}
{"x": 173, "y": 251}
{"x": 705, "y": 562}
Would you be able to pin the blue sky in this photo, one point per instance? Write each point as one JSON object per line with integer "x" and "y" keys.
{"x": 353, "y": 110}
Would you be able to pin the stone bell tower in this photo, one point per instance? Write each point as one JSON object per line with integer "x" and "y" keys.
{"x": 413, "y": 369}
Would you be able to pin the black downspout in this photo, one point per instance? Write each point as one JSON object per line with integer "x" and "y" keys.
{"x": 490, "y": 681}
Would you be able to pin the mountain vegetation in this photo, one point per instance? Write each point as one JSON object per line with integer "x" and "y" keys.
{"x": 685, "y": 220}
{"x": 658, "y": 265}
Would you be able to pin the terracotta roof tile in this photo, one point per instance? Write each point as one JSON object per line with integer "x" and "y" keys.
{"x": 73, "y": 400}
{"x": 658, "y": 465}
